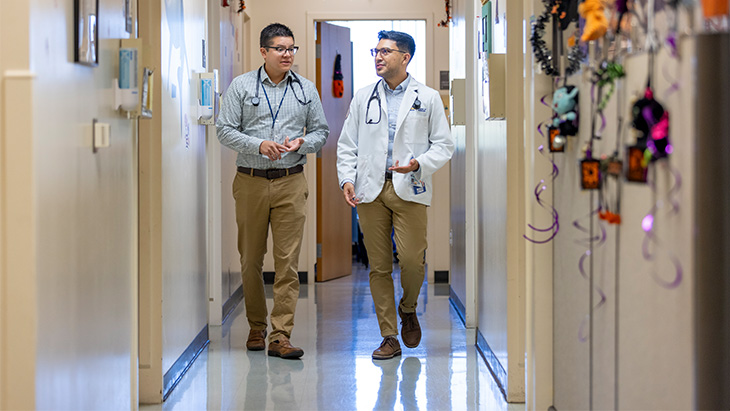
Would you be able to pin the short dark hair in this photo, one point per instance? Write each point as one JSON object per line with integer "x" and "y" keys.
{"x": 274, "y": 30}
{"x": 404, "y": 41}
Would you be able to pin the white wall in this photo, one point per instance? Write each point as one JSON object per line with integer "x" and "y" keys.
{"x": 459, "y": 279}
{"x": 85, "y": 211}
{"x": 637, "y": 352}
{"x": 184, "y": 308}
{"x": 231, "y": 52}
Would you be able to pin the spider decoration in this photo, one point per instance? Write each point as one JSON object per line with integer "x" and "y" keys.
{"x": 445, "y": 22}
{"x": 539, "y": 47}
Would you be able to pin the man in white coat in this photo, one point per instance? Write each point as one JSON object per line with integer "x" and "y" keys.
{"x": 394, "y": 138}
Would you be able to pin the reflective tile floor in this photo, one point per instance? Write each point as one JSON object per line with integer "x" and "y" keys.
{"x": 336, "y": 326}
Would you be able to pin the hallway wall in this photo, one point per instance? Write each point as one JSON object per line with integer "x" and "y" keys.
{"x": 183, "y": 179}
{"x": 173, "y": 220}
{"x": 85, "y": 206}
{"x": 232, "y": 43}
{"x": 635, "y": 350}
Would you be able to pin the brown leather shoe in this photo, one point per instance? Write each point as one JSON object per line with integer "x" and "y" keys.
{"x": 389, "y": 348}
{"x": 281, "y": 347}
{"x": 256, "y": 340}
{"x": 410, "y": 330}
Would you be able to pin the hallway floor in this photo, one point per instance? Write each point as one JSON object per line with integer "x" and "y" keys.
{"x": 336, "y": 326}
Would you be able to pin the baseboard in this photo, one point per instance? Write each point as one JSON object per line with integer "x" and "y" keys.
{"x": 269, "y": 277}
{"x": 232, "y": 303}
{"x": 441, "y": 277}
{"x": 458, "y": 305}
{"x": 495, "y": 367}
{"x": 180, "y": 367}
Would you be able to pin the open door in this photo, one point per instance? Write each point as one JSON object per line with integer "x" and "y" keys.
{"x": 334, "y": 216}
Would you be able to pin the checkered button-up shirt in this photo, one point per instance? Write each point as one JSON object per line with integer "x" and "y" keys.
{"x": 243, "y": 126}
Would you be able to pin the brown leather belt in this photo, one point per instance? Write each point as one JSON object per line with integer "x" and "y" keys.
{"x": 272, "y": 173}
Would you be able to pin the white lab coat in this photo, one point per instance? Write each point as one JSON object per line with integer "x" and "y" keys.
{"x": 423, "y": 134}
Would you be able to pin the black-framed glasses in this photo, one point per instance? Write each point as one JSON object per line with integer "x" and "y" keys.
{"x": 384, "y": 51}
{"x": 281, "y": 50}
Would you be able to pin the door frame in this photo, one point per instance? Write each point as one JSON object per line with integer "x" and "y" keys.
{"x": 311, "y": 19}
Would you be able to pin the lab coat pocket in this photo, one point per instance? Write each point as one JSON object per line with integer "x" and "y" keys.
{"x": 416, "y": 128}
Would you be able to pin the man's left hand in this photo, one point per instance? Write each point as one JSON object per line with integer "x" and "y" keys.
{"x": 293, "y": 145}
{"x": 412, "y": 166}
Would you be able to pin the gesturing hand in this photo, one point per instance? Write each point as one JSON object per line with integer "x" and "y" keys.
{"x": 293, "y": 145}
{"x": 272, "y": 150}
{"x": 412, "y": 166}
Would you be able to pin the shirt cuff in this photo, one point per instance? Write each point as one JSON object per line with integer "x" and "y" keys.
{"x": 347, "y": 180}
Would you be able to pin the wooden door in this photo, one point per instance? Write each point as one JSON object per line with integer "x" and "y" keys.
{"x": 334, "y": 216}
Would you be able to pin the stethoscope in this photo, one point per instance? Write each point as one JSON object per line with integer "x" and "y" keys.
{"x": 375, "y": 95}
{"x": 256, "y": 100}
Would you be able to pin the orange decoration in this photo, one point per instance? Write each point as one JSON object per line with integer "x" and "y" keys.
{"x": 714, "y": 8}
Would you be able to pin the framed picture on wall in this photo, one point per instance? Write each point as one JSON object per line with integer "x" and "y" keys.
{"x": 128, "y": 17}
{"x": 86, "y": 33}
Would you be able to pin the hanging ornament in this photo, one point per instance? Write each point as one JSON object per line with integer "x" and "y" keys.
{"x": 224, "y": 3}
{"x": 652, "y": 122}
{"x": 596, "y": 23}
{"x": 565, "y": 106}
{"x": 608, "y": 199}
{"x": 241, "y": 6}
{"x": 545, "y": 59}
{"x": 606, "y": 75}
{"x": 445, "y": 22}
{"x": 338, "y": 85}
{"x": 714, "y": 8}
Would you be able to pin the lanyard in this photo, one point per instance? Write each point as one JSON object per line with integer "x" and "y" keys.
{"x": 274, "y": 116}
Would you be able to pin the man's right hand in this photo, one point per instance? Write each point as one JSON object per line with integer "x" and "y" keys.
{"x": 348, "y": 190}
{"x": 272, "y": 150}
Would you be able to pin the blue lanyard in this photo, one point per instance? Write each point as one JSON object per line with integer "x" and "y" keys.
{"x": 274, "y": 116}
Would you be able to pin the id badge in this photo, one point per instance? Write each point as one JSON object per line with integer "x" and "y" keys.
{"x": 419, "y": 187}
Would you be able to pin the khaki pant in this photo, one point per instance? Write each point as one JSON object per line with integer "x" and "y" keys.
{"x": 408, "y": 221}
{"x": 282, "y": 203}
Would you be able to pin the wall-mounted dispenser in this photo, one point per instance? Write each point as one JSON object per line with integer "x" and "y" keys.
{"x": 206, "y": 97}
{"x": 126, "y": 87}
{"x": 133, "y": 88}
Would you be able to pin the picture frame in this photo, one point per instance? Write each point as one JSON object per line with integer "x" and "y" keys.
{"x": 86, "y": 32}
{"x": 128, "y": 16}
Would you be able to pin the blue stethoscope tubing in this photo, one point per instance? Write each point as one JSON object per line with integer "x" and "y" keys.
{"x": 375, "y": 95}
{"x": 256, "y": 100}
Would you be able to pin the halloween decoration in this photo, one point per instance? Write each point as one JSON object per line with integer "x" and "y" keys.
{"x": 596, "y": 23}
{"x": 565, "y": 102}
{"x": 545, "y": 58}
{"x": 338, "y": 85}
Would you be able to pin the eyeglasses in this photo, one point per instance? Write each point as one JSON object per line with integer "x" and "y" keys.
{"x": 384, "y": 51}
{"x": 281, "y": 50}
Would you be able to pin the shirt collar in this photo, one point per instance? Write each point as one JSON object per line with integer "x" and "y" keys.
{"x": 265, "y": 76}
{"x": 400, "y": 87}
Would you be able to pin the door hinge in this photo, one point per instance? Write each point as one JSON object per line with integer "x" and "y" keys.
{"x": 319, "y": 250}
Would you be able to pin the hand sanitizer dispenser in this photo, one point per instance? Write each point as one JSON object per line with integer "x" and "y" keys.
{"x": 126, "y": 87}
{"x": 206, "y": 98}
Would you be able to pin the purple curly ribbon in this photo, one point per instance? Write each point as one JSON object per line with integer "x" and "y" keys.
{"x": 599, "y": 240}
{"x": 647, "y": 224}
{"x": 674, "y": 52}
{"x": 539, "y": 189}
